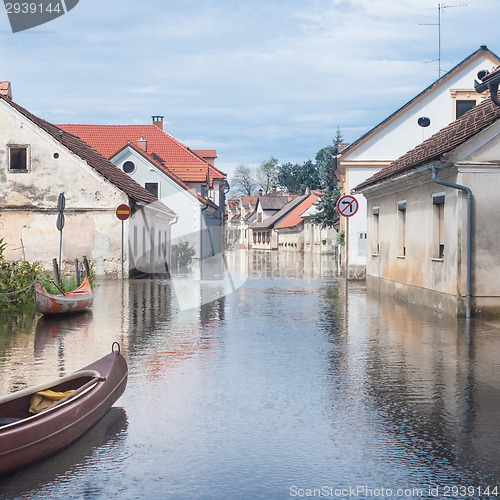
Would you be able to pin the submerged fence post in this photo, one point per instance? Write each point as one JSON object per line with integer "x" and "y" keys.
{"x": 77, "y": 273}
{"x": 56, "y": 271}
{"x": 86, "y": 265}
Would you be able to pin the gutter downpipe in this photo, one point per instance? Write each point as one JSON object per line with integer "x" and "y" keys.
{"x": 467, "y": 190}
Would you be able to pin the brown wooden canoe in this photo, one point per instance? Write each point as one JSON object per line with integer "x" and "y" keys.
{"x": 77, "y": 300}
{"x": 26, "y": 438}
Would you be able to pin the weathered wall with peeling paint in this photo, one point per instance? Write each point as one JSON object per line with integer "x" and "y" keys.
{"x": 28, "y": 203}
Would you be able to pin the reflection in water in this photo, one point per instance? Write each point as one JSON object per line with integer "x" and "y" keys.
{"x": 273, "y": 386}
{"x": 83, "y": 458}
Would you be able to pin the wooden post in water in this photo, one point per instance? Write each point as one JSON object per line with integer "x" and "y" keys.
{"x": 56, "y": 271}
{"x": 77, "y": 273}
{"x": 86, "y": 265}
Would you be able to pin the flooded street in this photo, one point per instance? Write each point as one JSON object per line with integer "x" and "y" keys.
{"x": 277, "y": 390}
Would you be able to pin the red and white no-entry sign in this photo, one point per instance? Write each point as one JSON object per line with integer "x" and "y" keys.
{"x": 123, "y": 212}
{"x": 347, "y": 205}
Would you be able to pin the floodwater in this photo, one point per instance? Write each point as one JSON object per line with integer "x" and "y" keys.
{"x": 276, "y": 389}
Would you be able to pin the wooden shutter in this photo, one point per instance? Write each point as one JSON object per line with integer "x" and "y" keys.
{"x": 441, "y": 223}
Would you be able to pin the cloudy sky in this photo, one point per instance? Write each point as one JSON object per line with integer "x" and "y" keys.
{"x": 250, "y": 79}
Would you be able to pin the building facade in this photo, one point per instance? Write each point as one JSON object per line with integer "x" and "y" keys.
{"x": 38, "y": 162}
{"x": 438, "y": 105}
{"x": 433, "y": 219}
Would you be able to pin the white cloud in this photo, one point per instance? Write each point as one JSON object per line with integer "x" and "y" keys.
{"x": 251, "y": 79}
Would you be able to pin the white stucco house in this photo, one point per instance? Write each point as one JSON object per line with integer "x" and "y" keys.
{"x": 195, "y": 213}
{"x": 435, "y": 107}
{"x": 38, "y": 161}
{"x": 434, "y": 218}
{"x": 170, "y": 171}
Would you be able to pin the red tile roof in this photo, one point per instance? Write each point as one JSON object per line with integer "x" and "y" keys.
{"x": 444, "y": 141}
{"x": 293, "y": 219}
{"x": 171, "y": 175}
{"x": 108, "y": 139}
{"x": 103, "y": 166}
{"x": 249, "y": 201}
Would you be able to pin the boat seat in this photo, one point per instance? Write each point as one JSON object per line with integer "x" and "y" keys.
{"x": 8, "y": 420}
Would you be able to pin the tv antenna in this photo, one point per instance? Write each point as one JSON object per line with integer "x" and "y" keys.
{"x": 438, "y": 24}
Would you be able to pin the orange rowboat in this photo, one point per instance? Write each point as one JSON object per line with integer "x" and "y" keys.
{"x": 77, "y": 300}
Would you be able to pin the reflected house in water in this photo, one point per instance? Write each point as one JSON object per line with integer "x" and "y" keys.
{"x": 186, "y": 180}
{"x": 434, "y": 380}
{"x": 40, "y": 160}
{"x": 422, "y": 247}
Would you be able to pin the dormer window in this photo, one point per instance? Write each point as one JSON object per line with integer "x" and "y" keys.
{"x": 465, "y": 100}
{"x": 462, "y": 106}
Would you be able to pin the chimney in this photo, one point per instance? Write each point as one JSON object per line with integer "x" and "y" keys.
{"x": 158, "y": 121}
{"x": 6, "y": 89}
{"x": 142, "y": 144}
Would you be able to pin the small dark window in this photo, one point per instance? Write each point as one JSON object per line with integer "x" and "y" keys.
{"x": 464, "y": 106}
{"x": 19, "y": 159}
{"x": 152, "y": 187}
{"x": 128, "y": 167}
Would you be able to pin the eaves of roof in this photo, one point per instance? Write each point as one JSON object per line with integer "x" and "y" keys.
{"x": 170, "y": 174}
{"x": 270, "y": 222}
{"x": 179, "y": 158}
{"x": 293, "y": 219}
{"x": 447, "y": 76}
{"x": 102, "y": 165}
{"x": 447, "y": 139}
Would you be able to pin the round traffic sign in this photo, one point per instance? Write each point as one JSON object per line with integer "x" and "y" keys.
{"x": 347, "y": 205}
{"x": 61, "y": 202}
{"x": 60, "y": 221}
{"x": 123, "y": 212}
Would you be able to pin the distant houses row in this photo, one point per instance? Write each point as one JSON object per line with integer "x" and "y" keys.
{"x": 175, "y": 194}
{"x": 427, "y": 181}
{"x": 278, "y": 221}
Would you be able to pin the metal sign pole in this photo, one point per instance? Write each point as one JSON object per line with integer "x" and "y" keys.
{"x": 347, "y": 206}
{"x": 122, "y": 247}
{"x": 60, "y": 252}
{"x": 346, "y": 255}
{"x": 123, "y": 213}
{"x": 61, "y": 204}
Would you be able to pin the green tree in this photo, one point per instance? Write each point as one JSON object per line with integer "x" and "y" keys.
{"x": 324, "y": 159}
{"x": 327, "y": 214}
{"x": 296, "y": 178}
{"x": 182, "y": 253}
{"x": 267, "y": 174}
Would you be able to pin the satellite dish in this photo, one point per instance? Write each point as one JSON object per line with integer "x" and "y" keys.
{"x": 482, "y": 74}
{"x": 423, "y": 121}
